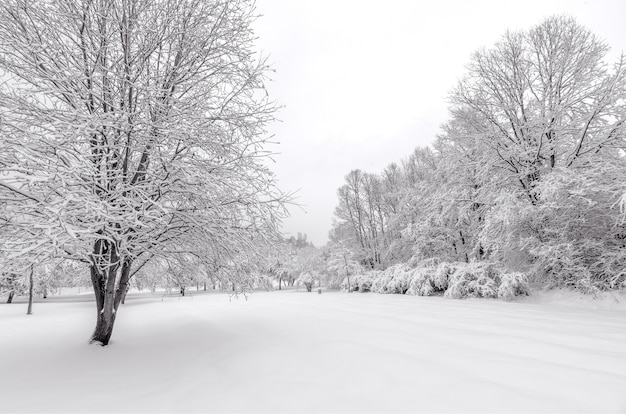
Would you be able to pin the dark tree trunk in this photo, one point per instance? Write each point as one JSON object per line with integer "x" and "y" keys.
{"x": 205, "y": 286}
{"x": 45, "y": 292}
{"x": 30, "y": 292}
{"x": 125, "y": 293}
{"x": 108, "y": 297}
{"x": 11, "y": 294}
{"x": 104, "y": 327}
{"x": 280, "y": 281}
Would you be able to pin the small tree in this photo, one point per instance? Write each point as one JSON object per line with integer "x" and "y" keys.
{"x": 342, "y": 264}
{"x": 307, "y": 279}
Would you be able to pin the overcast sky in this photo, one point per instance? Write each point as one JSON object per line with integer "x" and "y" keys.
{"x": 363, "y": 83}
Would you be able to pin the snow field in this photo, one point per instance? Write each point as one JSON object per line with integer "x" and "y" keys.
{"x": 294, "y": 351}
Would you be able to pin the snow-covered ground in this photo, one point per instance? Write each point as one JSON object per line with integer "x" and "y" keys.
{"x": 293, "y": 351}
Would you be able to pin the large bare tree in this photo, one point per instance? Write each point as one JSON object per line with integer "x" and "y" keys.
{"x": 134, "y": 129}
{"x": 544, "y": 98}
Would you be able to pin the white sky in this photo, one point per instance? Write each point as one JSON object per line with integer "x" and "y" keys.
{"x": 365, "y": 82}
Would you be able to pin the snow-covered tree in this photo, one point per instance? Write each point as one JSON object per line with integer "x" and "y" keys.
{"x": 134, "y": 129}
{"x": 528, "y": 173}
{"x": 544, "y": 98}
{"x": 294, "y": 256}
{"x": 342, "y": 264}
{"x": 308, "y": 279}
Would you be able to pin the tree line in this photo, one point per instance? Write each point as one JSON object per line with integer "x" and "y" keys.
{"x": 528, "y": 173}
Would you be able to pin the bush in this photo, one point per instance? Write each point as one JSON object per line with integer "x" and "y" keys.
{"x": 364, "y": 282}
{"x": 421, "y": 282}
{"x": 394, "y": 279}
{"x": 442, "y": 274}
{"x": 399, "y": 281}
{"x": 513, "y": 284}
{"x": 379, "y": 284}
{"x": 359, "y": 283}
{"x": 476, "y": 279}
{"x": 453, "y": 280}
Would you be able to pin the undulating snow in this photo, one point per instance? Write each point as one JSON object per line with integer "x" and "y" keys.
{"x": 292, "y": 351}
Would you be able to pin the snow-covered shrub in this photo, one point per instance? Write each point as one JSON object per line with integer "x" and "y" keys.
{"x": 477, "y": 279}
{"x": 381, "y": 280}
{"x": 427, "y": 281}
{"x": 394, "y": 279}
{"x": 364, "y": 282}
{"x": 399, "y": 282}
{"x": 359, "y": 283}
{"x": 421, "y": 282}
{"x": 513, "y": 284}
{"x": 454, "y": 280}
{"x": 441, "y": 275}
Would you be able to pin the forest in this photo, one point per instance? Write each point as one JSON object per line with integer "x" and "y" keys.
{"x": 523, "y": 187}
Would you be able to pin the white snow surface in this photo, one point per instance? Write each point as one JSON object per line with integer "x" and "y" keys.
{"x": 293, "y": 351}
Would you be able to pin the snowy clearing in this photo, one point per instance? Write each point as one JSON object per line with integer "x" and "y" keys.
{"x": 293, "y": 351}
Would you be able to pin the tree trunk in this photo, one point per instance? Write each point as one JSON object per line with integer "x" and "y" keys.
{"x": 104, "y": 326}
{"x": 30, "y": 292}
{"x": 45, "y": 292}
{"x": 205, "y": 286}
{"x": 125, "y": 293}
{"x": 11, "y": 294}
{"x": 280, "y": 281}
{"x": 108, "y": 297}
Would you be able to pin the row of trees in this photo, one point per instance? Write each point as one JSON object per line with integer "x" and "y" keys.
{"x": 132, "y": 135}
{"x": 528, "y": 173}
{"x": 297, "y": 261}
